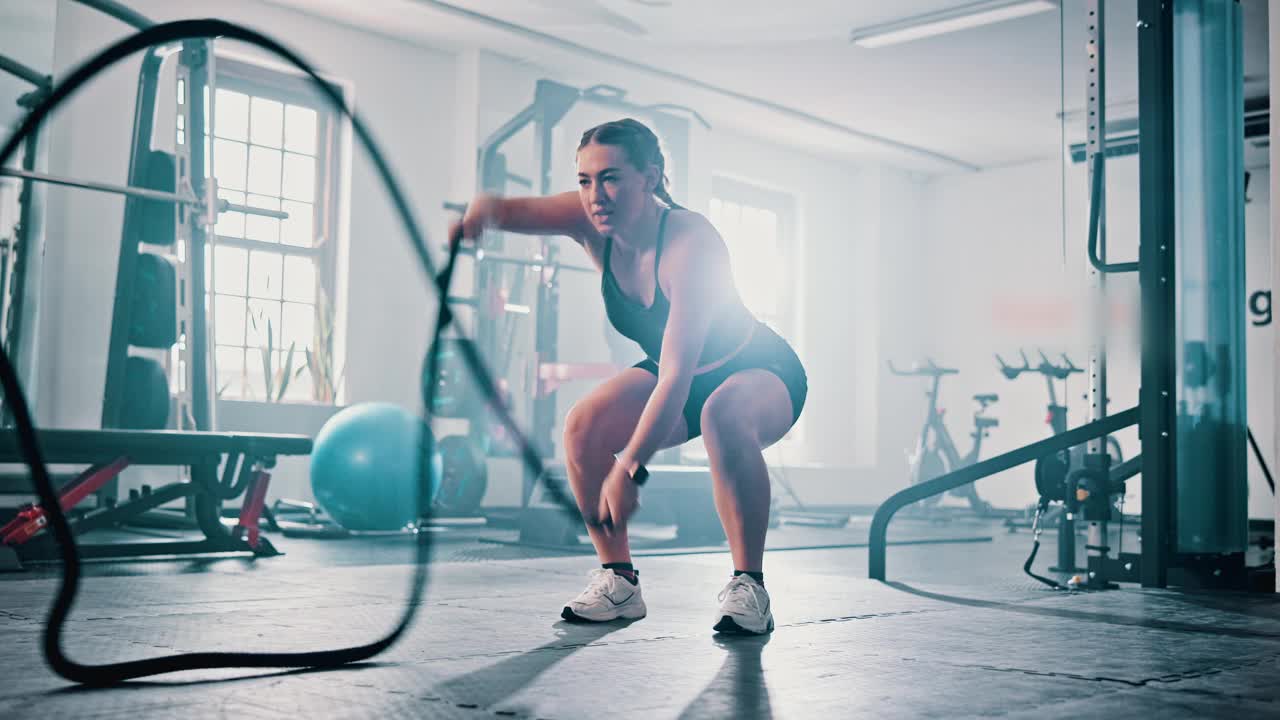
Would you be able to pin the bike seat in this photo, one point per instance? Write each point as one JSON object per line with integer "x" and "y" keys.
{"x": 986, "y": 399}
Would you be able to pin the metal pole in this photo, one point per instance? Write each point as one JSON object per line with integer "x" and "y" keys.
{"x": 24, "y": 262}
{"x": 1095, "y": 147}
{"x": 1158, "y": 224}
{"x": 195, "y": 64}
{"x": 17, "y": 69}
{"x": 208, "y": 366}
{"x": 124, "y": 14}
{"x": 535, "y": 263}
{"x": 146, "y": 193}
{"x": 546, "y": 339}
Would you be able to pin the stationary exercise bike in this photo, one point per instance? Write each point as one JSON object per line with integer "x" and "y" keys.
{"x": 1053, "y": 472}
{"x": 936, "y": 453}
{"x": 1057, "y": 414}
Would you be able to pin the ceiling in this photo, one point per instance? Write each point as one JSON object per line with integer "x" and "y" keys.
{"x": 978, "y": 98}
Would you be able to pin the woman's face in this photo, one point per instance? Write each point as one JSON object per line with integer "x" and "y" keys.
{"x": 613, "y": 191}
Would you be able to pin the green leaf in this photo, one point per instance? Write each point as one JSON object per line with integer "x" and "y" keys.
{"x": 266, "y": 370}
{"x": 286, "y": 373}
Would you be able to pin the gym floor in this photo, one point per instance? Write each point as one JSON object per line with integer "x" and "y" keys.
{"x": 960, "y": 632}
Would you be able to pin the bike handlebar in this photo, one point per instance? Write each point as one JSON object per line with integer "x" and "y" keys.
{"x": 929, "y": 369}
{"x": 1046, "y": 367}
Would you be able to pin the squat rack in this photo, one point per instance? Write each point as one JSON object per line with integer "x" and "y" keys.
{"x": 192, "y": 207}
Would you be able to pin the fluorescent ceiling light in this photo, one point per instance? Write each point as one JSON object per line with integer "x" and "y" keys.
{"x": 945, "y": 21}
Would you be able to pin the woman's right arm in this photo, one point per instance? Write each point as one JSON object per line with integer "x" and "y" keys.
{"x": 550, "y": 215}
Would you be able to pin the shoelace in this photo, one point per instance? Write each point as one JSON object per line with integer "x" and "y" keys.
{"x": 598, "y": 587}
{"x": 738, "y": 587}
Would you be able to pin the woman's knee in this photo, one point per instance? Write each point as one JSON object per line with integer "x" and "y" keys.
{"x": 578, "y": 424}
{"x": 592, "y": 431}
{"x": 751, "y": 410}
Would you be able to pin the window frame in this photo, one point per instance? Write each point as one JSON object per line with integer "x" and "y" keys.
{"x": 783, "y": 206}
{"x": 281, "y": 86}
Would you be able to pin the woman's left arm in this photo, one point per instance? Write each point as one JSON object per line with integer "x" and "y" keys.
{"x": 695, "y": 266}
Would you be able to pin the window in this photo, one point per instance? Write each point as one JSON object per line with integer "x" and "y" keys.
{"x": 273, "y": 146}
{"x": 756, "y": 224}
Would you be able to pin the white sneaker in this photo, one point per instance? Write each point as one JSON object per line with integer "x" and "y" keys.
{"x": 608, "y": 596}
{"x": 744, "y": 608}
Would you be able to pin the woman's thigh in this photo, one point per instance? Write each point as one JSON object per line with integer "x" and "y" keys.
{"x": 606, "y": 418}
{"x": 753, "y": 403}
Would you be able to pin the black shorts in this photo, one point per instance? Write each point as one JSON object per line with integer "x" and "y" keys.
{"x": 767, "y": 351}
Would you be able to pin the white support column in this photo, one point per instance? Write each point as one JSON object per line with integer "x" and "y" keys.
{"x": 1273, "y": 35}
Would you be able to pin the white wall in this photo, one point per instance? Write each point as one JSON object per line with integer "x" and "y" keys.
{"x": 403, "y": 93}
{"x": 1259, "y": 341}
{"x": 1273, "y": 63}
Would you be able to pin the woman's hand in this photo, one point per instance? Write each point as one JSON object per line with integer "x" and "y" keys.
{"x": 619, "y": 498}
{"x": 483, "y": 212}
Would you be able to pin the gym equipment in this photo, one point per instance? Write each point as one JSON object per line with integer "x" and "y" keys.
{"x": 19, "y": 266}
{"x": 155, "y": 318}
{"x": 464, "y": 476}
{"x": 936, "y": 453}
{"x": 455, "y": 394}
{"x": 245, "y": 459}
{"x": 676, "y": 495}
{"x": 365, "y": 467}
{"x": 1052, "y": 471}
{"x": 159, "y": 198}
{"x": 683, "y": 493}
{"x": 542, "y": 521}
{"x": 313, "y": 524}
{"x": 147, "y": 404}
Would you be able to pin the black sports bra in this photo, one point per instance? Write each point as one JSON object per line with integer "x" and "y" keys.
{"x": 646, "y": 325}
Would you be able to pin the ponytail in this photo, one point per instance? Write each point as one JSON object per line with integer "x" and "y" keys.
{"x": 662, "y": 194}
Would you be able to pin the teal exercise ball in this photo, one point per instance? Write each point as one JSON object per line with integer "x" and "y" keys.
{"x": 364, "y": 467}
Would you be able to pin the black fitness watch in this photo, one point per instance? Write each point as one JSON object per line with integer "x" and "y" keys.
{"x": 640, "y": 476}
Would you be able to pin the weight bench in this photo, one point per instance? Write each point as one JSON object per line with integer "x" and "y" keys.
{"x": 244, "y": 460}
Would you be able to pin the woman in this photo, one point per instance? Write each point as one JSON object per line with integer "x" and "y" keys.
{"x": 712, "y": 369}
